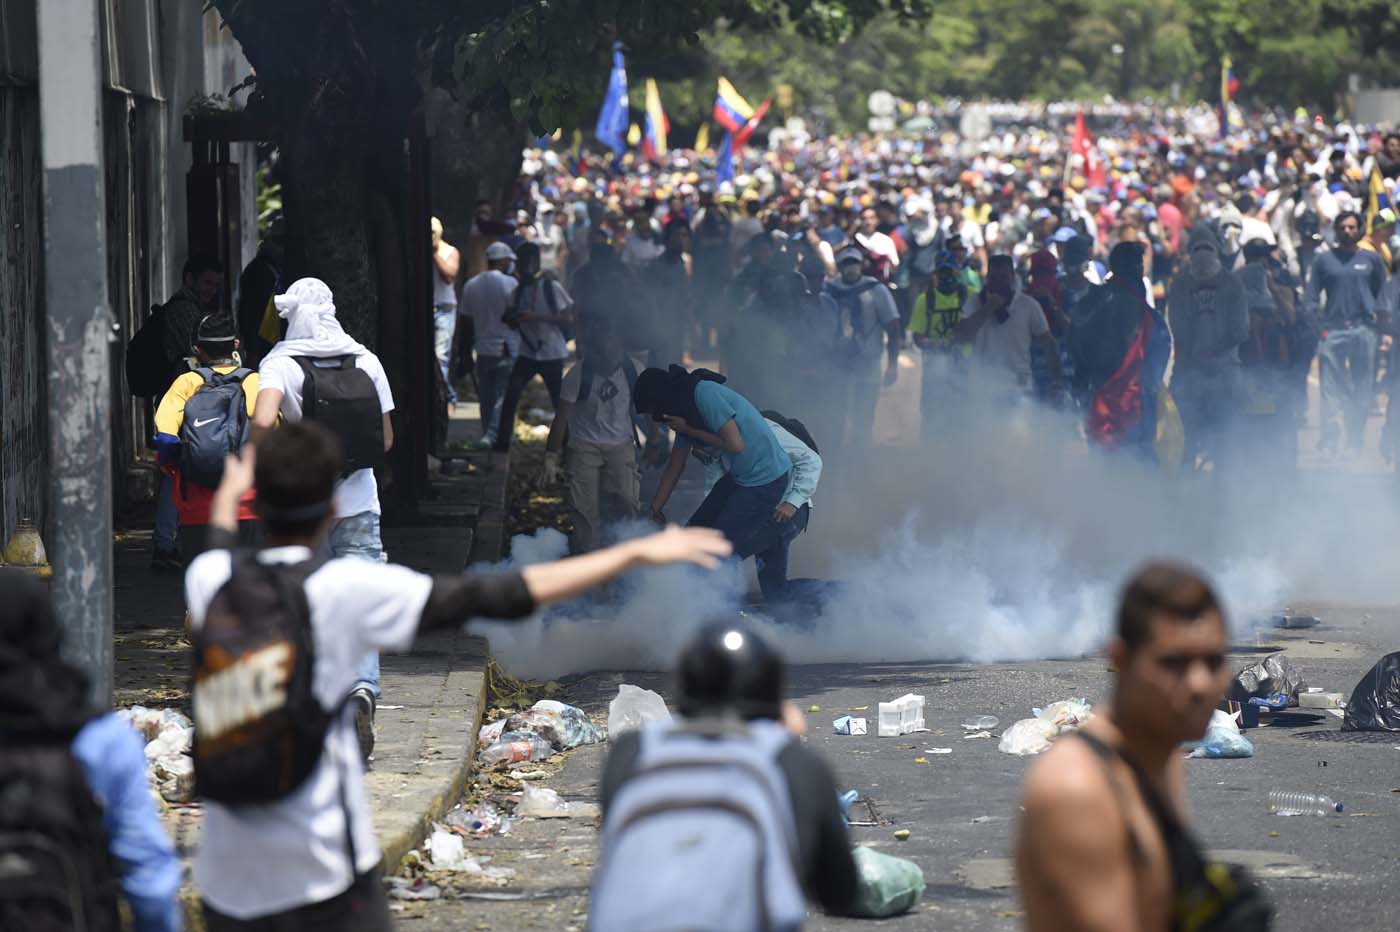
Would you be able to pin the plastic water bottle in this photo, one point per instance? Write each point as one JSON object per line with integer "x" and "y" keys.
{"x": 516, "y": 748}
{"x": 1283, "y": 802}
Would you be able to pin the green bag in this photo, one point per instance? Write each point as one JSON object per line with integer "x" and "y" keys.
{"x": 888, "y": 885}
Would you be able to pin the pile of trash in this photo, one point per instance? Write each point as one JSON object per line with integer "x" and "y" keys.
{"x": 634, "y": 707}
{"x": 1223, "y": 739}
{"x": 541, "y": 731}
{"x": 169, "y": 736}
{"x": 1033, "y": 735}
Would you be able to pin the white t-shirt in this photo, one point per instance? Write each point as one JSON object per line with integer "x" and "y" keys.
{"x": 1008, "y": 346}
{"x": 605, "y": 417}
{"x": 538, "y": 339}
{"x": 357, "y": 493}
{"x": 486, "y": 297}
{"x": 267, "y": 858}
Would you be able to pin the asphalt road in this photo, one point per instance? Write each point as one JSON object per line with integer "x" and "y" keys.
{"x": 1334, "y": 873}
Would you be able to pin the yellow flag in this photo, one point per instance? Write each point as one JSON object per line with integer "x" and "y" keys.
{"x": 1375, "y": 191}
{"x": 702, "y": 139}
{"x": 270, "y": 329}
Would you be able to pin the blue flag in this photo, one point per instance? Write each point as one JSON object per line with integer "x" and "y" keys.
{"x": 724, "y": 163}
{"x": 612, "y": 117}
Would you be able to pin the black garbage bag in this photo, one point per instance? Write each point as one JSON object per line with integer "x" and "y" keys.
{"x": 1375, "y": 702}
{"x": 1269, "y": 677}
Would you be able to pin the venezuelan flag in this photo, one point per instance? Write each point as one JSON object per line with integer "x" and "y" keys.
{"x": 1229, "y": 87}
{"x": 1375, "y": 197}
{"x": 657, "y": 126}
{"x": 732, "y": 111}
{"x": 1124, "y": 412}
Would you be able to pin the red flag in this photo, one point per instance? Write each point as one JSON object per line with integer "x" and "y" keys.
{"x": 742, "y": 136}
{"x": 1083, "y": 146}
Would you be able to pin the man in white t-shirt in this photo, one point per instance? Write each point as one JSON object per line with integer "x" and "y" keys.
{"x": 595, "y": 410}
{"x": 485, "y": 299}
{"x": 310, "y": 859}
{"x": 1002, "y": 322}
{"x": 314, "y": 333}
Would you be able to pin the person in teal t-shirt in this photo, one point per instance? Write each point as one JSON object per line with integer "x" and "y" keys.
{"x": 706, "y": 414}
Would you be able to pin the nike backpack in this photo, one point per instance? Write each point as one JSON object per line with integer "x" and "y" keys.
{"x": 258, "y": 728}
{"x": 703, "y": 830}
{"x": 342, "y": 398}
{"x": 56, "y": 870}
{"x": 216, "y": 424}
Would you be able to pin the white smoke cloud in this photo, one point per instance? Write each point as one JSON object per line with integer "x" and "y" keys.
{"x": 1004, "y": 539}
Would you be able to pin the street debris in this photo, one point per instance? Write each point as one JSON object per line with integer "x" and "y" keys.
{"x": 1272, "y": 676}
{"x": 1321, "y": 700}
{"x": 978, "y": 820}
{"x": 539, "y": 732}
{"x": 938, "y": 750}
{"x": 902, "y": 834}
{"x": 1375, "y": 702}
{"x": 528, "y": 774}
{"x": 544, "y": 803}
{"x": 1033, "y": 735}
{"x": 634, "y": 707}
{"x": 1222, "y": 739}
{"x": 814, "y": 708}
{"x": 478, "y": 821}
{"x": 409, "y": 888}
{"x": 921, "y": 760}
{"x": 169, "y": 736}
{"x": 903, "y": 716}
{"x": 846, "y": 725}
{"x": 1288, "y": 620}
{"x": 447, "y": 852}
{"x": 887, "y": 885}
{"x": 977, "y": 734}
{"x": 981, "y": 723}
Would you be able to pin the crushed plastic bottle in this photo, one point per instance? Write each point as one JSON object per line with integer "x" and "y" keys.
{"x": 513, "y": 747}
{"x": 1286, "y": 803}
{"x": 981, "y": 723}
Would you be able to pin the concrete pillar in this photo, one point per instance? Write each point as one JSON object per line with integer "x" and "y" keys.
{"x": 79, "y": 333}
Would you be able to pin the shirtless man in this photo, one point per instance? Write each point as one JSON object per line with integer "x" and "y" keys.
{"x": 1091, "y": 853}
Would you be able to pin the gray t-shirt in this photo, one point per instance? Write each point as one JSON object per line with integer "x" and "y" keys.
{"x": 605, "y": 416}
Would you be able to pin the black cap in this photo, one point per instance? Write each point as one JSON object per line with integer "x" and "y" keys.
{"x": 215, "y": 329}
{"x": 728, "y": 668}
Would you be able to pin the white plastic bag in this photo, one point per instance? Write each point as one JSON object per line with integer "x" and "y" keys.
{"x": 544, "y": 803}
{"x": 1028, "y": 736}
{"x": 1223, "y": 739}
{"x": 634, "y": 707}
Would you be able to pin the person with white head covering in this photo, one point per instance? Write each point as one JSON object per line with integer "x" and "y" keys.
{"x": 315, "y": 339}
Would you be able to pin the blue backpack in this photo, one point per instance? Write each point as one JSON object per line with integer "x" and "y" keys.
{"x": 702, "y": 836}
{"x": 216, "y": 424}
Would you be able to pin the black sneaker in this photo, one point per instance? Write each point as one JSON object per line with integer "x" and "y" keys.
{"x": 362, "y": 701}
{"x": 167, "y": 561}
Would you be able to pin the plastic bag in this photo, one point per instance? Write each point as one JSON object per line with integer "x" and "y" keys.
{"x": 1275, "y": 674}
{"x": 887, "y": 885}
{"x": 1028, "y": 736}
{"x": 1222, "y": 739}
{"x": 563, "y": 726}
{"x": 1067, "y": 714}
{"x": 1375, "y": 702}
{"x": 634, "y": 707}
{"x": 544, "y": 803}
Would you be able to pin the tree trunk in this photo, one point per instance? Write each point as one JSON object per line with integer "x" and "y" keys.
{"x": 475, "y": 157}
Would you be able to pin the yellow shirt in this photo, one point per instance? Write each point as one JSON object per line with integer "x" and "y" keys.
{"x": 1383, "y": 250}
{"x": 170, "y": 416}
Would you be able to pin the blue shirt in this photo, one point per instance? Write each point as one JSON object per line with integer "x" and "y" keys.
{"x": 114, "y": 761}
{"x": 763, "y": 459}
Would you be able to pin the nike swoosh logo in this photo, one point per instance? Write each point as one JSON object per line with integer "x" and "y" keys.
{"x": 207, "y": 420}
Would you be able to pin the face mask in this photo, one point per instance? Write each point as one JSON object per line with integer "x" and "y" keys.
{"x": 1205, "y": 263}
{"x": 850, "y": 274}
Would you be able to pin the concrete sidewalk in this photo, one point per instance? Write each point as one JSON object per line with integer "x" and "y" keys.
{"x": 433, "y": 696}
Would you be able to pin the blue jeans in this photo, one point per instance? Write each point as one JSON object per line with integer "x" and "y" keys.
{"x": 740, "y": 511}
{"x": 492, "y": 379}
{"x": 167, "y": 518}
{"x": 770, "y": 545}
{"x": 444, "y": 326}
{"x": 1346, "y": 367}
{"x": 358, "y": 536}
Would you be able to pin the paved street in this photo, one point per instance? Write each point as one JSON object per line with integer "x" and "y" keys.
{"x": 1322, "y": 874}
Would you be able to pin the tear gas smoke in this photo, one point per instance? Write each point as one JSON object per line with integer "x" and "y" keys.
{"x": 1003, "y": 539}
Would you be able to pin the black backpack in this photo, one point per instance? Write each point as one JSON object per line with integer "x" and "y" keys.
{"x": 148, "y": 371}
{"x": 259, "y": 730}
{"x": 793, "y": 426}
{"x": 342, "y": 398}
{"x": 56, "y": 871}
{"x": 216, "y": 424}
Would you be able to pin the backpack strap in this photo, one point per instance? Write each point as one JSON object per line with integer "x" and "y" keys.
{"x": 585, "y": 381}
{"x": 206, "y": 373}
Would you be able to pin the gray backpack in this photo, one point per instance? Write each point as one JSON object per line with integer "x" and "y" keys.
{"x": 702, "y": 837}
{"x": 215, "y": 425}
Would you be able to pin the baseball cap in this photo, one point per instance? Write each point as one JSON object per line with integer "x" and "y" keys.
{"x": 497, "y": 252}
